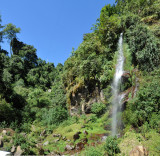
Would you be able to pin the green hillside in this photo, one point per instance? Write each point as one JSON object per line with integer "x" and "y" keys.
{"x": 67, "y": 109}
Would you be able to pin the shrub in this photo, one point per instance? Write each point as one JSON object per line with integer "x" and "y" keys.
{"x": 92, "y": 118}
{"x": 6, "y": 111}
{"x": 155, "y": 121}
{"x": 145, "y": 106}
{"x": 20, "y": 140}
{"x": 98, "y": 108}
{"x": 54, "y": 115}
{"x": 92, "y": 151}
{"x": 144, "y": 47}
{"x": 111, "y": 146}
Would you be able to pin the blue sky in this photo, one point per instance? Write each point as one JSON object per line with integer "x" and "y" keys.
{"x": 53, "y": 27}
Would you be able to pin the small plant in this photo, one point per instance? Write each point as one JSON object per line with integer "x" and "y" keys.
{"x": 3, "y": 124}
{"x": 6, "y": 139}
{"x": 111, "y": 146}
{"x": 93, "y": 118}
{"x": 8, "y": 133}
{"x": 70, "y": 130}
{"x": 83, "y": 116}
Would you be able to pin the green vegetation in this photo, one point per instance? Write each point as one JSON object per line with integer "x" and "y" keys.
{"x": 41, "y": 100}
{"x": 98, "y": 108}
{"x": 111, "y": 146}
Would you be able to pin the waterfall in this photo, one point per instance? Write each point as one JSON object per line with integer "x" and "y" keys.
{"x": 4, "y": 153}
{"x": 117, "y": 97}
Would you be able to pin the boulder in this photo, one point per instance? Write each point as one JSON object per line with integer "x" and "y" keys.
{"x": 74, "y": 110}
{"x": 85, "y": 140}
{"x": 13, "y": 149}
{"x": 54, "y": 154}
{"x": 69, "y": 147}
{"x": 18, "y": 151}
{"x": 49, "y": 90}
{"x": 57, "y": 135}
{"x": 79, "y": 146}
{"x": 76, "y": 136}
{"x": 103, "y": 139}
{"x": 139, "y": 151}
{"x": 64, "y": 138}
{"x": 39, "y": 145}
{"x": 46, "y": 143}
{"x": 85, "y": 132}
{"x": 56, "y": 140}
{"x": 4, "y": 132}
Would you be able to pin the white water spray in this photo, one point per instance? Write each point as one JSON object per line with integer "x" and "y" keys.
{"x": 4, "y": 153}
{"x": 117, "y": 97}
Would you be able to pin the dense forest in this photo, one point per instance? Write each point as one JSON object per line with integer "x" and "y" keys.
{"x": 67, "y": 110}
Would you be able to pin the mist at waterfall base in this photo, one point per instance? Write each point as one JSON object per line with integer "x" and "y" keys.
{"x": 117, "y": 97}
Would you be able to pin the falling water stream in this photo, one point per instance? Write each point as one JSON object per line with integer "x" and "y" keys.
{"x": 117, "y": 97}
{"x": 4, "y": 153}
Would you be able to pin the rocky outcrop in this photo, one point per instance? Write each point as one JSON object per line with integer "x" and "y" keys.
{"x": 7, "y": 131}
{"x": 69, "y": 147}
{"x": 18, "y": 151}
{"x": 79, "y": 146}
{"x": 85, "y": 132}
{"x": 13, "y": 149}
{"x": 82, "y": 100}
{"x": 57, "y": 135}
{"x": 46, "y": 143}
{"x": 139, "y": 151}
{"x": 125, "y": 81}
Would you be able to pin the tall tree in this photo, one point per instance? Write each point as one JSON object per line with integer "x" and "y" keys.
{"x": 29, "y": 56}
{"x": 10, "y": 31}
{"x": 1, "y": 32}
{"x": 16, "y": 46}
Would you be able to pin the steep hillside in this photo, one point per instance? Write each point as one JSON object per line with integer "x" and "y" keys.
{"x": 67, "y": 110}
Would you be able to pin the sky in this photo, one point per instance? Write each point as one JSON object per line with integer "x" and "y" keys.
{"x": 53, "y": 27}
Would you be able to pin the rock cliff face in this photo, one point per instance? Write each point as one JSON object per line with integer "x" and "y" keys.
{"x": 82, "y": 101}
{"x": 130, "y": 87}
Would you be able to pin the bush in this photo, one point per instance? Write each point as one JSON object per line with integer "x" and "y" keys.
{"x": 6, "y": 111}
{"x": 20, "y": 140}
{"x": 111, "y": 146}
{"x": 145, "y": 106}
{"x": 144, "y": 47}
{"x": 92, "y": 151}
{"x": 155, "y": 121}
{"x": 54, "y": 115}
{"x": 98, "y": 108}
{"x": 92, "y": 118}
